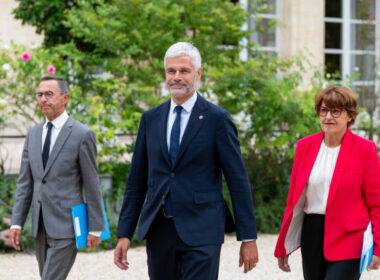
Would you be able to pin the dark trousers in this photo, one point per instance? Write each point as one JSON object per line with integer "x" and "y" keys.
{"x": 314, "y": 264}
{"x": 169, "y": 258}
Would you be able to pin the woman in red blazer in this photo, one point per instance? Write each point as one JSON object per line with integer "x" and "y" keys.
{"x": 334, "y": 193}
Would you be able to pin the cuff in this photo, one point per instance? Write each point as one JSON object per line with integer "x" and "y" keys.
{"x": 16, "y": 227}
{"x": 95, "y": 233}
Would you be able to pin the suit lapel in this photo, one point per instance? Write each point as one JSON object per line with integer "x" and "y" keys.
{"x": 196, "y": 120}
{"x": 311, "y": 156}
{"x": 61, "y": 139}
{"x": 162, "y": 132}
{"x": 38, "y": 148}
{"x": 341, "y": 162}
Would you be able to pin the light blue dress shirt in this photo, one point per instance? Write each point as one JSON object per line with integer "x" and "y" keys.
{"x": 185, "y": 116}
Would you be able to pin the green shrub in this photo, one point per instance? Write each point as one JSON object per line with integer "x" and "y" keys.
{"x": 7, "y": 192}
{"x": 269, "y": 214}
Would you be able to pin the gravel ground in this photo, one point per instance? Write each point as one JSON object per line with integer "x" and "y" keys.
{"x": 100, "y": 265}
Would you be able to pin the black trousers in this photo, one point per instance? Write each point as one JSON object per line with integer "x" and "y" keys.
{"x": 169, "y": 258}
{"x": 314, "y": 264}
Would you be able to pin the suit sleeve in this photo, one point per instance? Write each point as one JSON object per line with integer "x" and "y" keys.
{"x": 90, "y": 178}
{"x": 24, "y": 192}
{"x": 371, "y": 187}
{"x": 136, "y": 186}
{"x": 228, "y": 148}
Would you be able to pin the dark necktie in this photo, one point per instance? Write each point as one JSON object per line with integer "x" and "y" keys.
{"x": 174, "y": 136}
{"x": 173, "y": 150}
{"x": 46, "y": 149}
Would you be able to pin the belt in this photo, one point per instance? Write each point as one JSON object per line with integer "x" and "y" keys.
{"x": 165, "y": 213}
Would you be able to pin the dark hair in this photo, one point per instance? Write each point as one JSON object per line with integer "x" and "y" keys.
{"x": 62, "y": 84}
{"x": 335, "y": 96}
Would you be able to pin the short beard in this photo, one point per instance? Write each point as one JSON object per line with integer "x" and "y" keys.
{"x": 179, "y": 93}
{"x": 183, "y": 92}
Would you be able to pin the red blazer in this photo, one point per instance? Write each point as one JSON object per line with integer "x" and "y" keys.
{"x": 353, "y": 200}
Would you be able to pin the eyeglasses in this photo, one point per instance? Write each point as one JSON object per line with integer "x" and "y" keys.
{"x": 48, "y": 94}
{"x": 335, "y": 112}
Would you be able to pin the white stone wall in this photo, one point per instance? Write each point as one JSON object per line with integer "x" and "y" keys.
{"x": 12, "y": 29}
{"x": 303, "y": 31}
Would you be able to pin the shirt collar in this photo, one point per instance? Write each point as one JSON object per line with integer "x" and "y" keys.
{"x": 187, "y": 106}
{"x": 59, "y": 121}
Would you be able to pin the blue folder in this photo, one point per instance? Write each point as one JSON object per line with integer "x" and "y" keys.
{"x": 80, "y": 221}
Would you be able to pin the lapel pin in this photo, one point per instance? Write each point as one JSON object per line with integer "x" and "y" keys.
{"x": 201, "y": 117}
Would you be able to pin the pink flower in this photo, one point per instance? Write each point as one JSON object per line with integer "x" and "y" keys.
{"x": 26, "y": 56}
{"x": 51, "y": 69}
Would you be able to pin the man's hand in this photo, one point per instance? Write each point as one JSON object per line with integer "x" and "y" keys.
{"x": 375, "y": 263}
{"x": 14, "y": 238}
{"x": 120, "y": 253}
{"x": 92, "y": 241}
{"x": 283, "y": 263}
{"x": 249, "y": 255}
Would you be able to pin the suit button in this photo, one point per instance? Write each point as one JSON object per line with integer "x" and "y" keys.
{"x": 39, "y": 201}
{"x": 172, "y": 174}
{"x": 43, "y": 181}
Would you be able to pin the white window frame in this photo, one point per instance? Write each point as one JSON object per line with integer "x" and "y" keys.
{"x": 276, "y": 48}
{"x": 346, "y": 51}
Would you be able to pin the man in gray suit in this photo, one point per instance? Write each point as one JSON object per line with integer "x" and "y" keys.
{"x": 58, "y": 161}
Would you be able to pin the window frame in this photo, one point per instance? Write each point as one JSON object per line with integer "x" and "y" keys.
{"x": 244, "y": 55}
{"x": 346, "y": 52}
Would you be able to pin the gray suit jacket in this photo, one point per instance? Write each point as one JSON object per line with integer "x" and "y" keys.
{"x": 53, "y": 191}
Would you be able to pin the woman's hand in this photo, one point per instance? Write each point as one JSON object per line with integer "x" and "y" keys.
{"x": 375, "y": 263}
{"x": 283, "y": 263}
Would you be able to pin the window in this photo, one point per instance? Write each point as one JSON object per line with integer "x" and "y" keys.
{"x": 352, "y": 43}
{"x": 265, "y": 24}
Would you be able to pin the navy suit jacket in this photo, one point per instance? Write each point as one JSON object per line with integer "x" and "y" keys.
{"x": 209, "y": 147}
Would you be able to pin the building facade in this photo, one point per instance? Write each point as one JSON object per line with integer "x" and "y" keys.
{"x": 339, "y": 37}
{"x": 12, "y": 29}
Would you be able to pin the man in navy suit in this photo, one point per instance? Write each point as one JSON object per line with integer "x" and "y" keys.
{"x": 175, "y": 183}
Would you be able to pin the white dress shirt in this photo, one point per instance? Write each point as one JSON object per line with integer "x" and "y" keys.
{"x": 58, "y": 123}
{"x": 185, "y": 115}
{"x": 55, "y": 130}
{"x": 318, "y": 185}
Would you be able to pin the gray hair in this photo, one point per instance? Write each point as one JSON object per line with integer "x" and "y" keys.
{"x": 62, "y": 84}
{"x": 184, "y": 48}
